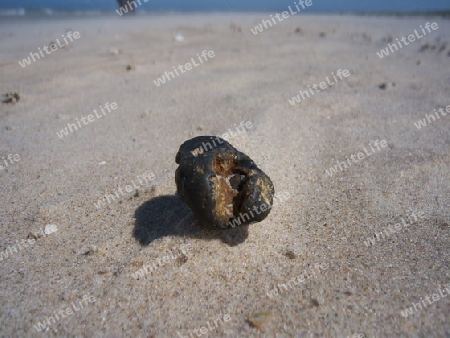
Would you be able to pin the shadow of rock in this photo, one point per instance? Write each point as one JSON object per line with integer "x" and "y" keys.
{"x": 168, "y": 216}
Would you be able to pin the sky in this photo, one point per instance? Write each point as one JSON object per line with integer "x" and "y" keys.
{"x": 240, "y": 5}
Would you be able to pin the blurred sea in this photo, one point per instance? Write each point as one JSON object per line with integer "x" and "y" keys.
{"x": 48, "y": 12}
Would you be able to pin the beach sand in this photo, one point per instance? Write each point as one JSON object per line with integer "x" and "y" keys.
{"x": 353, "y": 289}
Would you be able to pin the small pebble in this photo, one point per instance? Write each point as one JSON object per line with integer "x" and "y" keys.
{"x": 235, "y": 28}
{"x": 290, "y": 254}
{"x": 258, "y": 320}
{"x": 10, "y": 98}
{"x": 424, "y": 47}
{"x": 137, "y": 262}
{"x": 115, "y": 51}
{"x": 181, "y": 260}
{"x": 35, "y": 235}
{"x": 91, "y": 250}
{"x": 179, "y": 37}
{"x": 146, "y": 113}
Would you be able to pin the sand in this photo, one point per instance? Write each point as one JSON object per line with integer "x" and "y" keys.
{"x": 84, "y": 273}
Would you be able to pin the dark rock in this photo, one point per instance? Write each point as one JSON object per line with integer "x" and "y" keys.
{"x": 314, "y": 302}
{"x": 10, "y": 98}
{"x": 125, "y": 4}
{"x": 221, "y": 185}
{"x": 424, "y": 47}
{"x": 290, "y": 254}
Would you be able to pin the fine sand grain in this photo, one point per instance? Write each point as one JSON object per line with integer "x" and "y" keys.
{"x": 88, "y": 266}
